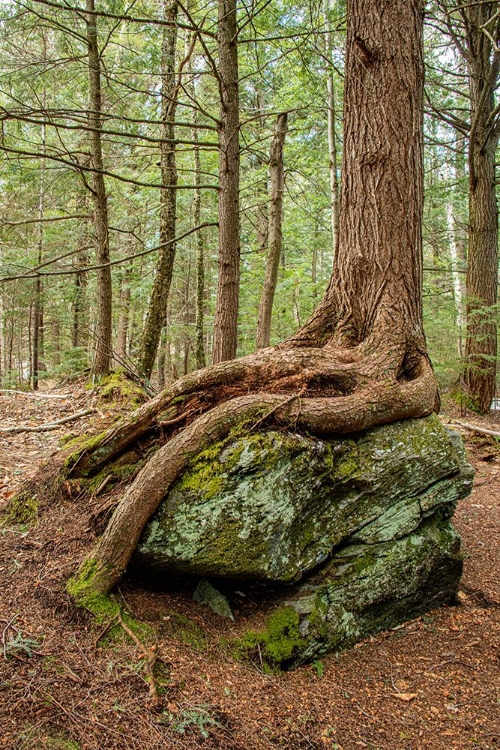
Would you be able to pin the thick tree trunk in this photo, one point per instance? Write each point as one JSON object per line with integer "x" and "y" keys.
{"x": 482, "y": 270}
{"x": 102, "y": 350}
{"x": 275, "y": 233}
{"x": 374, "y": 297}
{"x": 157, "y": 309}
{"x": 226, "y": 311}
{"x": 360, "y": 360}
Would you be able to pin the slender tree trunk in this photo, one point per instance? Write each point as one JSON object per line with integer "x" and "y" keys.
{"x": 200, "y": 253}
{"x": 79, "y": 333}
{"x": 275, "y": 235}
{"x": 332, "y": 140}
{"x": 102, "y": 352}
{"x": 38, "y": 300}
{"x": 226, "y": 312}
{"x": 482, "y": 267}
{"x": 262, "y": 190}
{"x": 458, "y": 295}
{"x": 156, "y": 316}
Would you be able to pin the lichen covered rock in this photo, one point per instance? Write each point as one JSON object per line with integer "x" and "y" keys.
{"x": 275, "y": 506}
{"x": 356, "y": 528}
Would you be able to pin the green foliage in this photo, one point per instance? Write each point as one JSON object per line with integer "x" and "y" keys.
{"x": 195, "y": 719}
{"x": 20, "y": 645}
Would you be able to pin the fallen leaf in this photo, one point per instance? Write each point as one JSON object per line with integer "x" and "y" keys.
{"x": 405, "y": 696}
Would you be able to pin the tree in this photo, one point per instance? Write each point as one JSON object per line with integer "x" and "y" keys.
{"x": 474, "y": 30}
{"x": 482, "y": 54}
{"x": 157, "y": 310}
{"x": 103, "y": 350}
{"x": 361, "y": 358}
{"x": 226, "y": 313}
{"x": 274, "y": 234}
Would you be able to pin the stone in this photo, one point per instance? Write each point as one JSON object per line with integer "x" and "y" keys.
{"x": 207, "y": 594}
{"x": 354, "y": 533}
{"x": 274, "y": 506}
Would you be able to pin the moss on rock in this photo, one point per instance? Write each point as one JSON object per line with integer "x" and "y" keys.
{"x": 273, "y": 506}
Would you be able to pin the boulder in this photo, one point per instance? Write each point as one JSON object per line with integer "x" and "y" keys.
{"x": 357, "y": 528}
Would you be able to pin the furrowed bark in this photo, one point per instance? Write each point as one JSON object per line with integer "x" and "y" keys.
{"x": 102, "y": 351}
{"x": 275, "y": 233}
{"x": 226, "y": 311}
{"x": 157, "y": 310}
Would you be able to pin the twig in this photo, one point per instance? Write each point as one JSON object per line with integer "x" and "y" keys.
{"x": 150, "y": 657}
{"x": 176, "y": 420}
{"x": 35, "y": 395}
{"x": 476, "y": 428}
{"x": 102, "y": 485}
{"x": 276, "y": 408}
{"x": 105, "y": 630}
{"x": 50, "y": 425}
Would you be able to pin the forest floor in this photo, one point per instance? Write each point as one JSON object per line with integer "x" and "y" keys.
{"x": 65, "y": 684}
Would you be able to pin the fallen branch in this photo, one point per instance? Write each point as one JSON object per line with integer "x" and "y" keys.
{"x": 476, "y": 428}
{"x": 150, "y": 659}
{"x": 35, "y": 395}
{"x": 50, "y": 425}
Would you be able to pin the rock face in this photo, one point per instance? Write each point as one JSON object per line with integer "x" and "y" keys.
{"x": 362, "y": 522}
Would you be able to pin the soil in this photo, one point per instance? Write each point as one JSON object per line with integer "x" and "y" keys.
{"x": 68, "y": 684}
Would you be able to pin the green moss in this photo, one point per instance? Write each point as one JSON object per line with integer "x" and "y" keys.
{"x": 188, "y": 632}
{"x": 22, "y": 509}
{"x": 274, "y": 646}
{"x": 85, "y": 443}
{"x": 45, "y": 738}
{"x": 80, "y": 588}
{"x": 118, "y": 387}
{"x": 103, "y": 607}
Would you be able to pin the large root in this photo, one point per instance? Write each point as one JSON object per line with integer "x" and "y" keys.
{"x": 365, "y": 403}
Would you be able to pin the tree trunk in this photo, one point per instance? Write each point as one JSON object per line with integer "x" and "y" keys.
{"x": 102, "y": 333}
{"x": 275, "y": 234}
{"x": 332, "y": 139}
{"x": 226, "y": 311}
{"x": 156, "y": 316}
{"x": 482, "y": 270}
{"x": 360, "y": 360}
{"x": 200, "y": 254}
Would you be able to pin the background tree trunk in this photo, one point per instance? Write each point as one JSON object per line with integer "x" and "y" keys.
{"x": 226, "y": 312}
{"x": 482, "y": 270}
{"x": 157, "y": 309}
{"x": 102, "y": 344}
{"x": 275, "y": 232}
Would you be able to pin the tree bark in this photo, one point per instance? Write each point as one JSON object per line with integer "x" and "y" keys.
{"x": 102, "y": 346}
{"x": 156, "y": 315}
{"x": 332, "y": 138}
{"x": 275, "y": 233}
{"x": 482, "y": 269}
{"x": 226, "y": 311}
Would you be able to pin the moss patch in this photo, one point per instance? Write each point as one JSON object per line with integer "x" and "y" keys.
{"x": 276, "y": 644}
{"x": 118, "y": 387}
{"x": 22, "y": 510}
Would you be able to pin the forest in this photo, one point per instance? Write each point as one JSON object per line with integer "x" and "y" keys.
{"x": 248, "y": 365}
{"x": 114, "y": 212}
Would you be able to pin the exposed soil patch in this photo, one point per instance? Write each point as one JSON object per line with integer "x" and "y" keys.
{"x": 66, "y": 684}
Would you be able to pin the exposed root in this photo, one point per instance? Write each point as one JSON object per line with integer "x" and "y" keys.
{"x": 375, "y": 404}
{"x": 150, "y": 656}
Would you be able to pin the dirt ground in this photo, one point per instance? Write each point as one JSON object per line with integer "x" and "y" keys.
{"x": 65, "y": 684}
